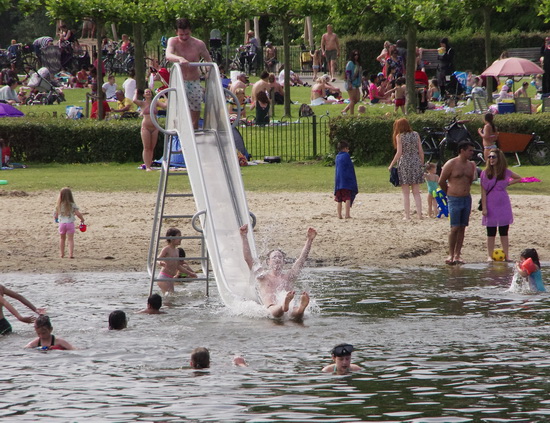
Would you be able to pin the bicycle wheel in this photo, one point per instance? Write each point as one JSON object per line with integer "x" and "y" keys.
{"x": 539, "y": 153}
{"x": 32, "y": 61}
{"x": 447, "y": 150}
{"x": 429, "y": 146}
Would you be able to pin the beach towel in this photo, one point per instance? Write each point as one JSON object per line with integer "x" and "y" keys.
{"x": 345, "y": 174}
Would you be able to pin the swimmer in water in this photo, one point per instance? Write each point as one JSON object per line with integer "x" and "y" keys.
{"x": 341, "y": 355}
{"x": 154, "y": 303}
{"x": 200, "y": 358}
{"x": 46, "y": 340}
{"x": 272, "y": 279}
{"x": 118, "y": 320}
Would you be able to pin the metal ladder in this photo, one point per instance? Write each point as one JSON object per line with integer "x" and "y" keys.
{"x": 160, "y": 217}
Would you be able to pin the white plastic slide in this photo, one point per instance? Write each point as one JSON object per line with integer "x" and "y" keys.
{"x": 215, "y": 177}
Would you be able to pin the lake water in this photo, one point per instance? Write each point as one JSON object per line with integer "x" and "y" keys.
{"x": 435, "y": 345}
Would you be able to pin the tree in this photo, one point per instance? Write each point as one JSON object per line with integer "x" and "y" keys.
{"x": 285, "y": 11}
{"x": 411, "y": 14}
{"x": 136, "y": 12}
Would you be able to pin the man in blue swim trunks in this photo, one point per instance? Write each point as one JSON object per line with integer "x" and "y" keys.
{"x": 455, "y": 180}
{"x": 185, "y": 49}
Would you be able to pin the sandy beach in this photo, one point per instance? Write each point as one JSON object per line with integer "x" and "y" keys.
{"x": 119, "y": 229}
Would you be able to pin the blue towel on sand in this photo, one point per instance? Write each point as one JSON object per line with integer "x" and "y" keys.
{"x": 345, "y": 174}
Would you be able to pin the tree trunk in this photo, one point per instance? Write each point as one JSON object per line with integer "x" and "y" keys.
{"x": 286, "y": 52}
{"x": 488, "y": 52}
{"x": 309, "y": 25}
{"x": 412, "y": 98}
{"x": 246, "y": 29}
{"x": 99, "y": 89}
{"x": 139, "y": 56}
{"x": 257, "y": 31}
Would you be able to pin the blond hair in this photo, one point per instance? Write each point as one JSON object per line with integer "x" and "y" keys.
{"x": 65, "y": 201}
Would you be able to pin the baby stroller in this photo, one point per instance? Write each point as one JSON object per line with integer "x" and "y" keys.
{"x": 43, "y": 89}
{"x": 216, "y": 46}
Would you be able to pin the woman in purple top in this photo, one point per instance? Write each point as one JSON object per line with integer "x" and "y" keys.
{"x": 497, "y": 209}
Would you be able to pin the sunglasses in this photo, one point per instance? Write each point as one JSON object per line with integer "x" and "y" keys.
{"x": 492, "y": 157}
{"x": 342, "y": 350}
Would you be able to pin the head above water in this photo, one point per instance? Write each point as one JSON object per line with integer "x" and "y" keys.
{"x": 154, "y": 301}
{"x": 342, "y": 350}
{"x": 200, "y": 358}
{"x": 271, "y": 252}
{"x": 43, "y": 321}
{"x": 117, "y": 320}
{"x": 532, "y": 254}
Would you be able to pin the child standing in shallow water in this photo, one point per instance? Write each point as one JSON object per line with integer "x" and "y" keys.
{"x": 529, "y": 268}
{"x": 172, "y": 267}
{"x": 46, "y": 340}
{"x": 432, "y": 181}
{"x": 65, "y": 211}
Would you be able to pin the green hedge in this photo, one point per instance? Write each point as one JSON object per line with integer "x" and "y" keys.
{"x": 370, "y": 137}
{"x": 469, "y": 48}
{"x": 46, "y": 140}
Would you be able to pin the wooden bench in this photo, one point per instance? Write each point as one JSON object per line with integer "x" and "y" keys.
{"x": 529, "y": 53}
{"x": 509, "y": 142}
{"x": 429, "y": 58}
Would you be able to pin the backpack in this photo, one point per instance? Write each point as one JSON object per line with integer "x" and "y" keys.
{"x": 306, "y": 110}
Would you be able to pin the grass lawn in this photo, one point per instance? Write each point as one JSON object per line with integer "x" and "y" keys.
{"x": 77, "y": 97}
{"x": 294, "y": 177}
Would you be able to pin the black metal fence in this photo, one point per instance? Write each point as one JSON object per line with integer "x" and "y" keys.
{"x": 291, "y": 140}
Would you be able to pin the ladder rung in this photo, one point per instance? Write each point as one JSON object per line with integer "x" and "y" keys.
{"x": 179, "y": 279}
{"x": 181, "y": 258}
{"x": 177, "y": 216}
{"x": 178, "y": 195}
{"x": 181, "y": 237}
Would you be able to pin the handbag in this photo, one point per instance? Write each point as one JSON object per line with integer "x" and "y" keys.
{"x": 394, "y": 177}
{"x": 480, "y": 205}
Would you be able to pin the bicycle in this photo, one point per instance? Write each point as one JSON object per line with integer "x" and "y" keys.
{"x": 443, "y": 144}
{"x": 430, "y": 143}
{"x": 455, "y": 132}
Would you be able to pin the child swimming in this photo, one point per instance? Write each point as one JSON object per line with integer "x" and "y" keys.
{"x": 341, "y": 355}
{"x": 46, "y": 340}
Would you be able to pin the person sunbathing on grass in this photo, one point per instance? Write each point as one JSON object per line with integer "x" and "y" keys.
{"x": 273, "y": 280}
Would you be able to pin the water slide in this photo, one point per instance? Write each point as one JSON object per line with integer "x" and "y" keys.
{"x": 215, "y": 178}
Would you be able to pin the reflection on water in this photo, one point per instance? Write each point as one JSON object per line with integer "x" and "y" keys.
{"x": 436, "y": 345}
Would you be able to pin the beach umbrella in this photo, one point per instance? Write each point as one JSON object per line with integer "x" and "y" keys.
{"x": 513, "y": 66}
{"x": 7, "y": 110}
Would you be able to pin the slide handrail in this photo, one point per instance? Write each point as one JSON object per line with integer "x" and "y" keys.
{"x": 215, "y": 177}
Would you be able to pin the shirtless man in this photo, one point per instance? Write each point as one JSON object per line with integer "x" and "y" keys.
{"x": 261, "y": 85}
{"x": 5, "y": 327}
{"x": 185, "y": 49}
{"x": 273, "y": 280}
{"x": 240, "y": 82}
{"x": 330, "y": 47}
{"x": 456, "y": 179}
